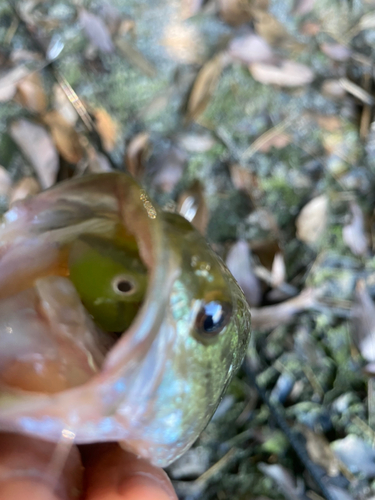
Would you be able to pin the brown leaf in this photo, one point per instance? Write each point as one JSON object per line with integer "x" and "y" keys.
{"x": 271, "y": 30}
{"x": 336, "y": 51}
{"x": 320, "y": 452}
{"x": 245, "y": 180}
{"x": 63, "y": 106}
{"x": 9, "y": 82}
{"x": 250, "y": 48}
{"x": 28, "y": 186}
{"x": 239, "y": 264}
{"x": 235, "y": 12}
{"x": 333, "y": 88}
{"x": 136, "y": 151}
{"x": 278, "y": 271}
{"x": 363, "y": 322}
{"x": 135, "y": 57}
{"x": 353, "y": 234}
{"x": 204, "y": 86}
{"x": 97, "y": 162}
{"x": 312, "y": 220}
{"x": 269, "y": 317}
{"x": 38, "y": 147}
{"x": 30, "y": 93}
{"x": 96, "y": 31}
{"x": 286, "y": 74}
{"x": 107, "y": 129}
{"x": 278, "y": 141}
{"x": 192, "y": 205}
{"x": 64, "y": 136}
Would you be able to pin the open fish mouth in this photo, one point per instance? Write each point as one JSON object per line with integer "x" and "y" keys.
{"x": 97, "y": 331}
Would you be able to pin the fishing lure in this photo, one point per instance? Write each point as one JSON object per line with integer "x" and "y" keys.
{"x": 117, "y": 320}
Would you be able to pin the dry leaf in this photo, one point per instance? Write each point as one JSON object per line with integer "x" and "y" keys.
{"x": 250, "y": 48}
{"x": 136, "y": 151}
{"x": 30, "y": 93}
{"x": 336, "y": 51}
{"x": 9, "y": 82}
{"x": 239, "y": 264}
{"x": 284, "y": 481}
{"x": 190, "y": 8}
{"x": 286, "y": 74}
{"x": 38, "y": 147}
{"x": 135, "y": 58}
{"x": 269, "y": 317}
{"x": 356, "y": 454}
{"x": 278, "y": 141}
{"x": 183, "y": 43}
{"x": 96, "y": 31}
{"x": 333, "y": 88}
{"x": 64, "y": 136}
{"x": 5, "y": 181}
{"x": 245, "y": 180}
{"x": 353, "y": 234}
{"x": 166, "y": 168}
{"x": 271, "y": 30}
{"x": 278, "y": 271}
{"x": 196, "y": 143}
{"x": 363, "y": 322}
{"x": 63, "y": 106}
{"x": 331, "y": 123}
{"x": 204, "y": 86}
{"x": 235, "y": 12}
{"x": 28, "y": 186}
{"x": 320, "y": 452}
{"x": 312, "y": 220}
{"x": 192, "y": 205}
{"x": 97, "y": 162}
{"x": 303, "y": 7}
{"x": 106, "y": 128}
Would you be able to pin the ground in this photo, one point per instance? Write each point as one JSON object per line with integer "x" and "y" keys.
{"x": 257, "y": 115}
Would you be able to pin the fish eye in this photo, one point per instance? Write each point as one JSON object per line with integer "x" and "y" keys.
{"x": 212, "y": 318}
{"x": 123, "y": 285}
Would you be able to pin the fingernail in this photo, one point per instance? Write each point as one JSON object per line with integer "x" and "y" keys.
{"x": 19, "y": 489}
{"x": 146, "y": 487}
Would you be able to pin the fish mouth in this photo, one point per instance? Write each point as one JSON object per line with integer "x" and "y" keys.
{"x": 113, "y": 372}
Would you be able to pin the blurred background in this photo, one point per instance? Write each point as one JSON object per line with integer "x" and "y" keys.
{"x": 254, "y": 119}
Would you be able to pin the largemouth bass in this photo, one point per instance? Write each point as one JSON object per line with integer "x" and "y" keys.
{"x": 117, "y": 320}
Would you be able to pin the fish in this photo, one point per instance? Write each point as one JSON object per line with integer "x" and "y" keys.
{"x": 118, "y": 322}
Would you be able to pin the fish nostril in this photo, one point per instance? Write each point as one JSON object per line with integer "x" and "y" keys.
{"x": 123, "y": 285}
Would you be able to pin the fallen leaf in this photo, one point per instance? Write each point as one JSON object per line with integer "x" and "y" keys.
{"x": 28, "y": 186}
{"x": 96, "y": 31}
{"x": 166, "y": 167}
{"x": 235, "y": 12}
{"x": 286, "y": 74}
{"x": 183, "y": 43}
{"x": 312, "y": 220}
{"x": 336, "y": 51}
{"x": 30, "y": 93}
{"x": 320, "y": 452}
{"x": 249, "y": 49}
{"x": 204, "y": 86}
{"x": 107, "y": 129}
{"x": 303, "y": 7}
{"x": 9, "y": 82}
{"x": 245, "y": 180}
{"x": 284, "y": 480}
{"x": 135, "y": 57}
{"x": 192, "y": 205}
{"x": 63, "y": 106}
{"x": 190, "y": 8}
{"x": 271, "y": 30}
{"x": 353, "y": 234}
{"x": 136, "y": 152}
{"x": 5, "y": 181}
{"x": 196, "y": 143}
{"x": 269, "y": 317}
{"x": 278, "y": 271}
{"x": 97, "y": 162}
{"x": 64, "y": 136}
{"x": 239, "y": 264}
{"x": 333, "y": 88}
{"x": 363, "y": 322}
{"x": 356, "y": 454}
{"x": 278, "y": 141}
{"x": 331, "y": 123}
{"x": 38, "y": 147}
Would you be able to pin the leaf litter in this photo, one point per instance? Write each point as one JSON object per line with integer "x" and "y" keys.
{"x": 259, "y": 128}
